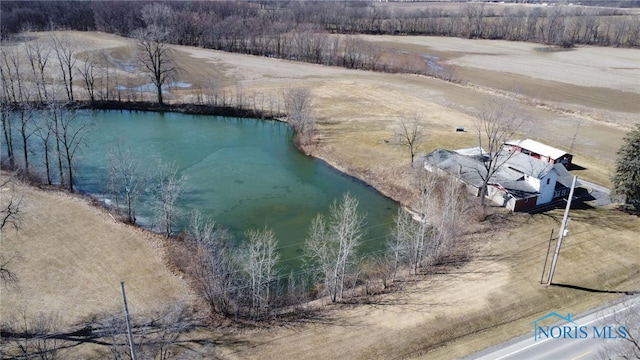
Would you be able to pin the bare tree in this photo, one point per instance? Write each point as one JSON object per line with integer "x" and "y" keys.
{"x": 56, "y": 112}
{"x": 474, "y": 13}
{"x": 18, "y": 92}
{"x": 10, "y": 215}
{"x": 65, "y": 50}
{"x": 409, "y": 134}
{"x": 71, "y": 134}
{"x": 6, "y": 118}
{"x": 298, "y": 107}
{"x": 87, "y": 71}
{"x": 43, "y": 131}
{"x": 126, "y": 178}
{"x": 10, "y": 204}
{"x": 168, "y": 189}
{"x": 104, "y": 89}
{"x": 429, "y": 232}
{"x": 258, "y": 260}
{"x": 7, "y": 276}
{"x": 447, "y": 213}
{"x": 12, "y": 89}
{"x": 211, "y": 263}
{"x": 408, "y": 241}
{"x": 156, "y": 56}
{"x": 38, "y": 55}
{"x": 495, "y": 124}
{"x": 626, "y": 344}
{"x": 26, "y": 128}
{"x": 332, "y": 245}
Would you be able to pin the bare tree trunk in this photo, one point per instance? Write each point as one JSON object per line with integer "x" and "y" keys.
{"x": 11, "y": 96}
{"x": 409, "y": 134}
{"x": 332, "y": 246}
{"x": 259, "y": 258}
{"x": 496, "y": 124}
{"x": 55, "y": 114}
{"x": 38, "y": 56}
{"x": 298, "y": 107}
{"x": 71, "y": 135}
{"x": 156, "y": 56}
{"x": 43, "y": 131}
{"x": 89, "y": 77}
{"x": 125, "y": 178}
{"x": 169, "y": 188}
{"x": 65, "y": 51}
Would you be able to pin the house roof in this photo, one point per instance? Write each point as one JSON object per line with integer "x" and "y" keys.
{"x": 525, "y": 164}
{"x": 510, "y": 175}
{"x": 564, "y": 177}
{"x": 538, "y": 148}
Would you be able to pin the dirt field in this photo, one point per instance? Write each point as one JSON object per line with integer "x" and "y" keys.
{"x": 595, "y": 99}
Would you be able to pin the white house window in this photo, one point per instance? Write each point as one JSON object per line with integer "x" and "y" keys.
{"x": 548, "y": 180}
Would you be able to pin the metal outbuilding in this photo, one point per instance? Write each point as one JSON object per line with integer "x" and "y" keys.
{"x": 540, "y": 151}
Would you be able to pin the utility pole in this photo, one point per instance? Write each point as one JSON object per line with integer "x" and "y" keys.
{"x": 126, "y": 314}
{"x": 546, "y": 258}
{"x": 563, "y": 228}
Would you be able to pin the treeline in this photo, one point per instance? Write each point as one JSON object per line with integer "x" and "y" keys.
{"x": 244, "y": 279}
{"x": 298, "y": 29}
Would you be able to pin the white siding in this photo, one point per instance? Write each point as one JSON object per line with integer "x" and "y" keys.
{"x": 547, "y": 187}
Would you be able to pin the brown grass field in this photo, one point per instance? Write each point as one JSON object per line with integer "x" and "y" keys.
{"x": 70, "y": 256}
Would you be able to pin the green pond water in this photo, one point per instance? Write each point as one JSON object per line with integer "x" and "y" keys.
{"x": 243, "y": 173}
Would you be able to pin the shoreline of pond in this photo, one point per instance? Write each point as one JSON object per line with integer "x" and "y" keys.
{"x": 231, "y": 111}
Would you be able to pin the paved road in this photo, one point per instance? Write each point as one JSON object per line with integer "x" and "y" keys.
{"x": 526, "y": 348}
{"x": 598, "y": 195}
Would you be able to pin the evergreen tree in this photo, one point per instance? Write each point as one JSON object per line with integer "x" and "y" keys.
{"x": 626, "y": 179}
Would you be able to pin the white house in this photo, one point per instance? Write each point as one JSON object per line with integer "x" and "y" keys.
{"x": 520, "y": 183}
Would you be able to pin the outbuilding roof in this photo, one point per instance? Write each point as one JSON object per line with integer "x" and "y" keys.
{"x": 538, "y": 148}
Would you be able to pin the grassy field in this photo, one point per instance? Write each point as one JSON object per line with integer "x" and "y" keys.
{"x": 73, "y": 256}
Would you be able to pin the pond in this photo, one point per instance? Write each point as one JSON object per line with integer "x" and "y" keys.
{"x": 243, "y": 173}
